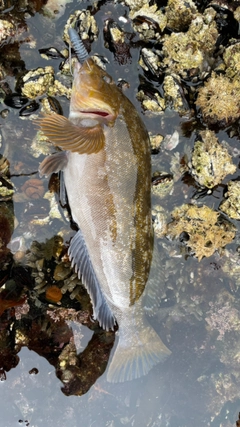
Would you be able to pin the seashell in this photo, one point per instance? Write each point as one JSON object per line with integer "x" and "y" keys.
{"x": 4, "y": 113}
{"x": 29, "y": 109}
{"x": 150, "y": 97}
{"x": 36, "y": 82}
{"x": 117, "y": 41}
{"x": 50, "y": 53}
{"x": 162, "y": 178}
{"x": 51, "y": 105}
{"x": 162, "y": 184}
{"x": 33, "y": 188}
{"x": 151, "y": 22}
{"x": 86, "y": 26}
{"x": 151, "y": 62}
{"x": 15, "y": 100}
{"x": 61, "y": 272}
{"x": 17, "y": 244}
{"x": 53, "y": 294}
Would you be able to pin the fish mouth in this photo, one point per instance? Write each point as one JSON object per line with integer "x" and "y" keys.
{"x": 96, "y": 113}
{"x": 103, "y": 115}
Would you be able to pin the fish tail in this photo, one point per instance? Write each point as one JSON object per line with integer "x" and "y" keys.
{"x": 136, "y": 353}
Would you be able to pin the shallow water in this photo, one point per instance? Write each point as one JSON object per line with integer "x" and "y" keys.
{"x": 197, "y": 317}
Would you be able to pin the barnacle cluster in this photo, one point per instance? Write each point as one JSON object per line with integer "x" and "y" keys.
{"x": 162, "y": 184}
{"x": 180, "y": 14}
{"x": 206, "y": 231}
{"x": 52, "y": 270}
{"x": 149, "y": 22}
{"x": 37, "y": 82}
{"x": 7, "y": 29}
{"x": 189, "y": 50}
{"x": 155, "y": 141}
{"x": 154, "y": 102}
{"x": 231, "y": 58}
{"x": 219, "y": 100}
{"x": 150, "y": 61}
{"x": 174, "y": 94}
{"x": 87, "y": 25}
{"x": 210, "y": 161}
{"x": 231, "y": 206}
{"x": 55, "y": 8}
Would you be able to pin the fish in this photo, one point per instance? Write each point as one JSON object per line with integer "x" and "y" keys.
{"x": 105, "y": 171}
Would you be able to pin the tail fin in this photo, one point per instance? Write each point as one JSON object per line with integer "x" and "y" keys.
{"x": 136, "y": 353}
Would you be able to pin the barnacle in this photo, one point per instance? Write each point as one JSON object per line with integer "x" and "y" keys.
{"x": 58, "y": 89}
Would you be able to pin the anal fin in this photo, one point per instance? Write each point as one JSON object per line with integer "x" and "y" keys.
{"x": 79, "y": 256}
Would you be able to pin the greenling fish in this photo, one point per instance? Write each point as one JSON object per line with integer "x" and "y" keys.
{"x": 107, "y": 175}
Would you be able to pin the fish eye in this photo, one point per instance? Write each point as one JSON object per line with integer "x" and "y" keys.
{"x": 107, "y": 79}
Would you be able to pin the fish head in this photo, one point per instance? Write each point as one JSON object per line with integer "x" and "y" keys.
{"x": 94, "y": 94}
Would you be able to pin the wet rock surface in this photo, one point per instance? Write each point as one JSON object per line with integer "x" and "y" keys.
{"x": 179, "y": 62}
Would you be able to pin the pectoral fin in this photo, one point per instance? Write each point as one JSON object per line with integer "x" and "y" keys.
{"x": 53, "y": 163}
{"x": 79, "y": 139}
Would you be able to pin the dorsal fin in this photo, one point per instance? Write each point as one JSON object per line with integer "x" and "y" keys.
{"x": 79, "y": 256}
{"x": 79, "y": 139}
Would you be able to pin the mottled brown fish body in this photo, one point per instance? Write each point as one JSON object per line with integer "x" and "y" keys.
{"x": 108, "y": 178}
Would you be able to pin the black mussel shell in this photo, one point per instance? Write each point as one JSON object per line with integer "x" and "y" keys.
{"x": 51, "y": 52}
{"x": 54, "y": 105}
{"x": 153, "y": 73}
{"x": 28, "y": 109}
{"x": 119, "y": 47}
{"x": 15, "y": 100}
{"x": 160, "y": 178}
{"x": 141, "y": 19}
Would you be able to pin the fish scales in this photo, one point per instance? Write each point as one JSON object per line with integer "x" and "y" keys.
{"x": 107, "y": 176}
